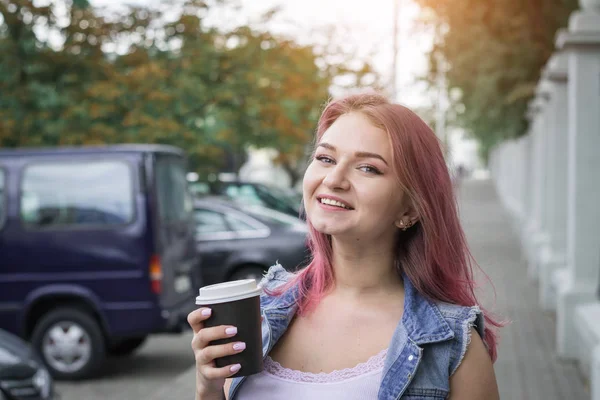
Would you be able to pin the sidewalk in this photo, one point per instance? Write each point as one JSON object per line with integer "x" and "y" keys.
{"x": 181, "y": 388}
{"x": 527, "y": 368}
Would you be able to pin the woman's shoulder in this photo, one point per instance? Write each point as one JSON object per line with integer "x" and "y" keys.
{"x": 463, "y": 321}
{"x": 458, "y": 314}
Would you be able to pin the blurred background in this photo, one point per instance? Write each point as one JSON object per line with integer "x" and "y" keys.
{"x": 148, "y": 147}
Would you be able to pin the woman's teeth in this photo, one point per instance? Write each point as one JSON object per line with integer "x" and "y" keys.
{"x": 334, "y": 203}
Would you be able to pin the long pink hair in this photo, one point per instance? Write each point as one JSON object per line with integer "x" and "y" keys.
{"x": 433, "y": 253}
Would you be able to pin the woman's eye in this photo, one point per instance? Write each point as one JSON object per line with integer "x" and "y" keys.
{"x": 324, "y": 159}
{"x": 370, "y": 169}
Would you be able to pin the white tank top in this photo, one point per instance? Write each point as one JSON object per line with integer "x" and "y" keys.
{"x": 276, "y": 382}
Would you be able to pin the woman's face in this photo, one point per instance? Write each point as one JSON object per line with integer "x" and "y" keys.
{"x": 350, "y": 188}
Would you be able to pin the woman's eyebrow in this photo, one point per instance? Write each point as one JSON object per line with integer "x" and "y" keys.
{"x": 358, "y": 154}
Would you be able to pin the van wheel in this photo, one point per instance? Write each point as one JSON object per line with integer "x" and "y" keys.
{"x": 248, "y": 272}
{"x": 126, "y": 346}
{"x": 70, "y": 342}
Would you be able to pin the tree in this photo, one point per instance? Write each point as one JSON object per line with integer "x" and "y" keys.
{"x": 142, "y": 75}
{"x": 495, "y": 51}
{"x": 298, "y": 81}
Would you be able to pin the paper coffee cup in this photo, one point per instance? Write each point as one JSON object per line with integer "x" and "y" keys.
{"x": 236, "y": 303}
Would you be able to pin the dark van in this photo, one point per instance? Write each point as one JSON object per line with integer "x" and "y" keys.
{"x": 97, "y": 250}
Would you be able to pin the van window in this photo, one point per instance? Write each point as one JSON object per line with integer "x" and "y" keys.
{"x": 77, "y": 194}
{"x": 2, "y": 198}
{"x": 175, "y": 201}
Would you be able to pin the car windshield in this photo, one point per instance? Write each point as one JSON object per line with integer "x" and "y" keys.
{"x": 245, "y": 193}
{"x": 282, "y": 193}
{"x": 289, "y": 194}
{"x": 275, "y": 217}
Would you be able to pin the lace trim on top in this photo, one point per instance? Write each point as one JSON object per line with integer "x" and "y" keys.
{"x": 374, "y": 363}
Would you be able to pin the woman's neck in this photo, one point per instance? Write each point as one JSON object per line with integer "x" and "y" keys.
{"x": 361, "y": 270}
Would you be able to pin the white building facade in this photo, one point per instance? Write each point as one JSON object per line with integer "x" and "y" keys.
{"x": 550, "y": 181}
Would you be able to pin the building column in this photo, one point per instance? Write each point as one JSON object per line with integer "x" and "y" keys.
{"x": 539, "y": 234}
{"x": 523, "y": 151}
{"x": 553, "y": 253}
{"x": 515, "y": 176}
{"x": 530, "y": 224}
{"x": 579, "y": 285}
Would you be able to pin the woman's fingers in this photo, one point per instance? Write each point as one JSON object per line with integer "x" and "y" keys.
{"x": 219, "y": 373}
{"x": 209, "y": 377}
{"x": 207, "y": 335}
{"x": 197, "y": 317}
{"x": 206, "y": 355}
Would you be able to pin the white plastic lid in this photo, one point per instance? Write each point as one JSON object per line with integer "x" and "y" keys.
{"x": 228, "y": 291}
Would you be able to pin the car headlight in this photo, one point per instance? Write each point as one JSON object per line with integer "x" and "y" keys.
{"x": 42, "y": 382}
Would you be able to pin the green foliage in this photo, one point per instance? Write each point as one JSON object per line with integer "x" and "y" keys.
{"x": 495, "y": 51}
{"x": 138, "y": 76}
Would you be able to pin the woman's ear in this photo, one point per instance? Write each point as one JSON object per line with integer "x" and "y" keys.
{"x": 407, "y": 218}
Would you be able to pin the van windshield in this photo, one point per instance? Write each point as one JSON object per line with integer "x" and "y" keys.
{"x": 174, "y": 199}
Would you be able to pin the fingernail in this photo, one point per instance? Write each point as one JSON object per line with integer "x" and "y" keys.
{"x": 206, "y": 312}
{"x": 235, "y": 368}
{"x": 239, "y": 346}
{"x": 231, "y": 331}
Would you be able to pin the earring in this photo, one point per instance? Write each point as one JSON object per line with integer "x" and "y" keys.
{"x": 402, "y": 226}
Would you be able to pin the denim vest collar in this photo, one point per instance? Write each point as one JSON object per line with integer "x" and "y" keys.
{"x": 421, "y": 323}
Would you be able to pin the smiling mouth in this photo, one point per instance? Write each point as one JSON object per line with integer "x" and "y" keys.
{"x": 334, "y": 203}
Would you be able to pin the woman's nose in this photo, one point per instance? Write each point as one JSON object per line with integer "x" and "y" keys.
{"x": 336, "y": 178}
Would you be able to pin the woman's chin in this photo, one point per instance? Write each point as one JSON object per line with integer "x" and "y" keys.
{"x": 330, "y": 229}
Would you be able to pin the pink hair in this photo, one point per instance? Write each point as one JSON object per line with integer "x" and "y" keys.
{"x": 433, "y": 253}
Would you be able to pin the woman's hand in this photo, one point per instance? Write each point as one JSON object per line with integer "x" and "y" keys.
{"x": 209, "y": 378}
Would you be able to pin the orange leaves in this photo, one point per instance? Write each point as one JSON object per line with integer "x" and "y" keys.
{"x": 151, "y": 70}
{"x": 225, "y": 135}
{"x": 104, "y": 90}
{"x": 159, "y": 96}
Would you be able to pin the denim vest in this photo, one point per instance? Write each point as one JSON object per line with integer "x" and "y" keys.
{"x": 427, "y": 347}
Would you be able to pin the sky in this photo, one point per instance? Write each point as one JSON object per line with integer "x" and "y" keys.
{"x": 369, "y": 27}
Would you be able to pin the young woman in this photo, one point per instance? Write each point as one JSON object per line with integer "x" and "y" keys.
{"x": 386, "y": 309}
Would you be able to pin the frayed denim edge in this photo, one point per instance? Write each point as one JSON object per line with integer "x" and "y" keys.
{"x": 270, "y": 274}
{"x": 466, "y": 334}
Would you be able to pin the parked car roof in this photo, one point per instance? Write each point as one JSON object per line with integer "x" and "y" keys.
{"x": 263, "y": 194}
{"x": 119, "y": 148}
{"x": 266, "y": 215}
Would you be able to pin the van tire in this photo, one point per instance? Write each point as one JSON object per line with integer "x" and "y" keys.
{"x": 248, "y": 272}
{"x": 69, "y": 318}
{"x": 125, "y": 347}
